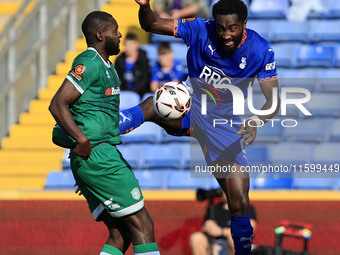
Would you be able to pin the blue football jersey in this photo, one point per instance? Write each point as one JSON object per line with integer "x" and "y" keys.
{"x": 210, "y": 70}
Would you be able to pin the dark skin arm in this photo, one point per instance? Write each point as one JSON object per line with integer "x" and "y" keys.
{"x": 150, "y": 22}
{"x": 248, "y": 132}
{"x": 66, "y": 95}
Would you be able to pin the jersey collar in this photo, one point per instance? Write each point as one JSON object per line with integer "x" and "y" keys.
{"x": 108, "y": 65}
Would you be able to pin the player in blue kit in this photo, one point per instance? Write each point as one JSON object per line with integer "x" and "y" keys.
{"x": 223, "y": 59}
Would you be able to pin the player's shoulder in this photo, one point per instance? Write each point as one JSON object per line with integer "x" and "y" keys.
{"x": 88, "y": 58}
{"x": 256, "y": 40}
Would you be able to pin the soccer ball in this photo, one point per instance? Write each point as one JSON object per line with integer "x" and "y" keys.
{"x": 172, "y": 100}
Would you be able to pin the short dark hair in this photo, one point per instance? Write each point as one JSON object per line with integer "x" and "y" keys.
{"x": 163, "y": 47}
{"x": 94, "y": 21}
{"x": 226, "y": 7}
{"x": 131, "y": 36}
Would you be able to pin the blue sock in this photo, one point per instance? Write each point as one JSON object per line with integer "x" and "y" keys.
{"x": 130, "y": 119}
{"x": 242, "y": 233}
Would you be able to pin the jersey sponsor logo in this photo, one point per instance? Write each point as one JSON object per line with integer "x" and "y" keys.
{"x": 136, "y": 194}
{"x": 215, "y": 77}
{"x": 112, "y": 91}
{"x": 78, "y": 72}
{"x": 211, "y": 49}
{"x": 270, "y": 66}
{"x": 188, "y": 20}
{"x": 243, "y": 63}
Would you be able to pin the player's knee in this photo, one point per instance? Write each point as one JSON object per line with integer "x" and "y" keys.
{"x": 197, "y": 239}
{"x": 240, "y": 205}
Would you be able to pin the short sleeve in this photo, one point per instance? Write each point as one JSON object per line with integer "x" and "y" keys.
{"x": 83, "y": 73}
{"x": 268, "y": 71}
{"x": 188, "y": 29}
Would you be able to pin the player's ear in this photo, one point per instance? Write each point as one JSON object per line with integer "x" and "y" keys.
{"x": 244, "y": 24}
{"x": 100, "y": 36}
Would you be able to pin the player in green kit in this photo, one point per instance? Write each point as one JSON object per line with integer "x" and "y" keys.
{"x": 86, "y": 106}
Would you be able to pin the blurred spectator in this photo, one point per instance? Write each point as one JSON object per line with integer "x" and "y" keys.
{"x": 177, "y": 9}
{"x": 133, "y": 66}
{"x": 300, "y": 9}
{"x": 166, "y": 69}
{"x": 215, "y": 235}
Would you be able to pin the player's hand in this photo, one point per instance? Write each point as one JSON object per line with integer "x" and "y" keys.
{"x": 248, "y": 132}
{"x": 143, "y": 2}
{"x": 210, "y": 227}
{"x": 77, "y": 191}
{"x": 83, "y": 149}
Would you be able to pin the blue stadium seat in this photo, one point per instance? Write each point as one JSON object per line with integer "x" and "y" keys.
{"x": 336, "y": 185}
{"x": 128, "y": 99}
{"x": 335, "y": 10}
{"x": 275, "y": 181}
{"x": 180, "y": 52}
{"x": 337, "y": 57}
{"x": 302, "y": 78}
{"x": 287, "y": 153}
{"x": 272, "y": 9}
{"x": 315, "y": 56}
{"x": 60, "y": 180}
{"x": 335, "y": 131}
{"x": 151, "y": 51}
{"x": 192, "y": 156}
{"x": 325, "y": 31}
{"x": 161, "y": 156}
{"x": 155, "y": 179}
{"x": 132, "y": 154}
{"x": 328, "y": 79}
{"x": 313, "y": 183}
{"x": 148, "y": 132}
{"x": 285, "y": 54}
{"x": 312, "y": 130}
{"x": 271, "y": 132}
{"x": 261, "y": 27}
{"x": 156, "y": 38}
{"x": 166, "y": 138}
{"x": 146, "y": 95}
{"x": 182, "y": 180}
{"x": 325, "y": 13}
{"x": 257, "y": 155}
{"x": 288, "y": 31}
{"x": 324, "y": 105}
{"x": 326, "y": 153}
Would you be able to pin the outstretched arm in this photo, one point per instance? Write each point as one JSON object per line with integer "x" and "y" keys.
{"x": 150, "y": 22}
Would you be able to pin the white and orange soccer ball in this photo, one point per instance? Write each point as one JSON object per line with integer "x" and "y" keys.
{"x": 172, "y": 100}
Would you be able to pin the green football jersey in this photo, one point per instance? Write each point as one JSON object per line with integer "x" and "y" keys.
{"x": 96, "y": 111}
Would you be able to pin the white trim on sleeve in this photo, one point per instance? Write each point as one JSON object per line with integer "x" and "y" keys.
{"x": 80, "y": 90}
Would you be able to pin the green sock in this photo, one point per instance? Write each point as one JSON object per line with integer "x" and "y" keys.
{"x": 147, "y": 248}
{"x": 110, "y": 250}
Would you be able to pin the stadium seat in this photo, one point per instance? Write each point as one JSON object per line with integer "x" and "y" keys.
{"x": 312, "y": 130}
{"x": 60, "y": 180}
{"x": 180, "y": 52}
{"x": 161, "y": 156}
{"x": 287, "y": 153}
{"x": 285, "y": 54}
{"x": 272, "y": 9}
{"x": 335, "y": 131}
{"x": 315, "y": 56}
{"x": 261, "y": 27}
{"x": 146, "y": 95}
{"x": 301, "y": 78}
{"x": 128, "y": 99}
{"x": 288, "y": 31}
{"x": 257, "y": 155}
{"x": 132, "y": 154}
{"x": 151, "y": 51}
{"x": 166, "y": 138}
{"x": 313, "y": 183}
{"x": 273, "y": 181}
{"x": 326, "y": 153}
{"x": 328, "y": 79}
{"x": 335, "y": 10}
{"x": 148, "y": 132}
{"x": 155, "y": 179}
{"x": 324, "y": 13}
{"x": 324, "y": 105}
{"x": 325, "y": 31}
{"x": 337, "y": 57}
{"x": 182, "y": 180}
{"x": 156, "y": 38}
{"x": 271, "y": 132}
{"x": 192, "y": 156}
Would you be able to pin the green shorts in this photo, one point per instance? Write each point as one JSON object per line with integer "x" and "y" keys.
{"x": 107, "y": 182}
